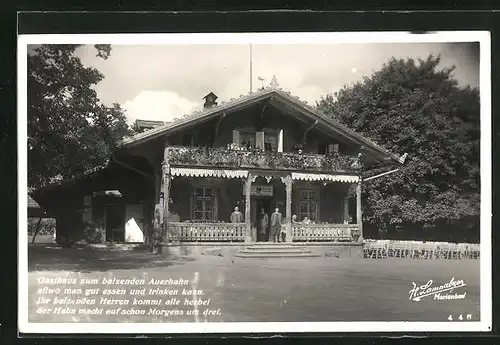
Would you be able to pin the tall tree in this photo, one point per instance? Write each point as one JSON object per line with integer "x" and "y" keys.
{"x": 69, "y": 130}
{"x": 419, "y": 108}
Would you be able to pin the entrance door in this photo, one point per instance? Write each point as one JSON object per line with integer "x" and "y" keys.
{"x": 265, "y": 204}
{"x": 115, "y": 223}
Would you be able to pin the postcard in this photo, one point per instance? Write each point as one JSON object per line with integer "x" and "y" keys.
{"x": 255, "y": 183}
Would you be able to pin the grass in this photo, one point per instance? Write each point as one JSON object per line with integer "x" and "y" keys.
{"x": 250, "y": 290}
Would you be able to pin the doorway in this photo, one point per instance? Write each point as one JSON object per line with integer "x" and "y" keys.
{"x": 115, "y": 223}
{"x": 256, "y": 205}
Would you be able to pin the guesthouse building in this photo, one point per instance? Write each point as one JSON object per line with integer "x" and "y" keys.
{"x": 184, "y": 178}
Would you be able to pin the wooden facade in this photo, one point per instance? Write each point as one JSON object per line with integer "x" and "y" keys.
{"x": 182, "y": 180}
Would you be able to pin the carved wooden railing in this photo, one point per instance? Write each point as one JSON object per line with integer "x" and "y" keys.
{"x": 231, "y": 158}
{"x": 325, "y": 232}
{"x": 206, "y": 232}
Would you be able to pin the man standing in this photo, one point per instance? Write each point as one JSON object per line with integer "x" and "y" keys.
{"x": 276, "y": 224}
{"x": 236, "y": 216}
{"x": 263, "y": 224}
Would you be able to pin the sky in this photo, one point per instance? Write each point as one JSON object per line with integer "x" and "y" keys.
{"x": 163, "y": 82}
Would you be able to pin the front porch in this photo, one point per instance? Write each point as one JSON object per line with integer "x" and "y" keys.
{"x": 200, "y": 202}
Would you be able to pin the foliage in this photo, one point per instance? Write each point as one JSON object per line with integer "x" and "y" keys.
{"x": 47, "y": 226}
{"x": 69, "y": 130}
{"x": 238, "y": 157}
{"x": 419, "y": 108}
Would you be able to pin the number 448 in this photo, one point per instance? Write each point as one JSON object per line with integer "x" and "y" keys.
{"x": 461, "y": 317}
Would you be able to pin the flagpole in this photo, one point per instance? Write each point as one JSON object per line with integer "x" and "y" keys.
{"x": 251, "y": 68}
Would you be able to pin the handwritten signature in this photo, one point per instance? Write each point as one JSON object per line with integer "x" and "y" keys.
{"x": 419, "y": 292}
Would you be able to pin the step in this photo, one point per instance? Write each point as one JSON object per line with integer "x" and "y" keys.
{"x": 275, "y": 246}
{"x": 272, "y": 243}
{"x": 276, "y": 255}
{"x": 273, "y": 251}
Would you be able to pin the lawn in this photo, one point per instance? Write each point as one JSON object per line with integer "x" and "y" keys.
{"x": 250, "y": 290}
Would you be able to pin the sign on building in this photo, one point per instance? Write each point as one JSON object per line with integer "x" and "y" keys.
{"x": 261, "y": 191}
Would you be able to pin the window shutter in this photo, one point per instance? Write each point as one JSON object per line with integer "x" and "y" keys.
{"x": 236, "y": 137}
{"x": 280, "y": 140}
{"x": 259, "y": 140}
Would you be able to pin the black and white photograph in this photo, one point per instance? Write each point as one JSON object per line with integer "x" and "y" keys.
{"x": 264, "y": 182}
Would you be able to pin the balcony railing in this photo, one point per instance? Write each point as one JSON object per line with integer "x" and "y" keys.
{"x": 325, "y": 232}
{"x": 206, "y": 232}
{"x": 231, "y": 158}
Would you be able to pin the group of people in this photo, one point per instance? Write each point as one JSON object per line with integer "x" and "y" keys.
{"x": 277, "y": 233}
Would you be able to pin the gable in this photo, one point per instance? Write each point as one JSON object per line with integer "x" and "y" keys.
{"x": 276, "y": 98}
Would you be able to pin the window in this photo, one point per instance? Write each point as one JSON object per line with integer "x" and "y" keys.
{"x": 271, "y": 142}
{"x": 322, "y": 148}
{"x": 247, "y": 137}
{"x": 203, "y": 207}
{"x": 308, "y": 205}
{"x": 188, "y": 140}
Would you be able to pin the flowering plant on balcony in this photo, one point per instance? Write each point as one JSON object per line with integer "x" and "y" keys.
{"x": 234, "y": 156}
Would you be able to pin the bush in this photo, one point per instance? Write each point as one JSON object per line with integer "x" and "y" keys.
{"x": 47, "y": 226}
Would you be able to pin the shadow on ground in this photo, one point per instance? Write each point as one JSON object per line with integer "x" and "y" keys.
{"x": 50, "y": 257}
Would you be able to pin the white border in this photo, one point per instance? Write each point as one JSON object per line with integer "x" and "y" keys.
{"x": 264, "y": 38}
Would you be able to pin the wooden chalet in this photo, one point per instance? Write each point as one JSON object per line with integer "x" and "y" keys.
{"x": 184, "y": 178}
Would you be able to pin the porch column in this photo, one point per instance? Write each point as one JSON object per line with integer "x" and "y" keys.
{"x": 359, "y": 214}
{"x": 288, "y": 185}
{"x": 346, "y": 208}
{"x": 166, "y": 195}
{"x": 248, "y": 187}
{"x": 156, "y": 223}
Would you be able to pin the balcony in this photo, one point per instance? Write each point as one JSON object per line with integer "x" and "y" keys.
{"x": 248, "y": 159}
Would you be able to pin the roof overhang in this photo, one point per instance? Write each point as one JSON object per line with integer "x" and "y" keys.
{"x": 278, "y": 98}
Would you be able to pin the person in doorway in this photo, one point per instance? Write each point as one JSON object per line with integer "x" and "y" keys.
{"x": 263, "y": 224}
{"x": 294, "y": 219}
{"x": 276, "y": 224}
{"x": 236, "y": 216}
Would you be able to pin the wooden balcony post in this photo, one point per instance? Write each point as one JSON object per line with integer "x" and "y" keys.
{"x": 166, "y": 194}
{"x": 359, "y": 213}
{"x": 289, "y": 184}
{"x": 248, "y": 187}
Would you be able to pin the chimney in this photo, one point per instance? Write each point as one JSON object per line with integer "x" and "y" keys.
{"x": 210, "y": 100}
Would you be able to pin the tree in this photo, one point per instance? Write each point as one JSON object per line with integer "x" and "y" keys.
{"x": 69, "y": 130}
{"x": 416, "y": 107}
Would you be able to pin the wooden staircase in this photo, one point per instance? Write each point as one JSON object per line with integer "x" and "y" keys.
{"x": 275, "y": 250}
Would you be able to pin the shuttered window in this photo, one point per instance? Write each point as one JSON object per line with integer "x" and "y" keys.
{"x": 309, "y": 205}
{"x": 204, "y": 204}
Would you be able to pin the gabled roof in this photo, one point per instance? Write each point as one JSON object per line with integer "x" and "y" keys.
{"x": 244, "y": 101}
